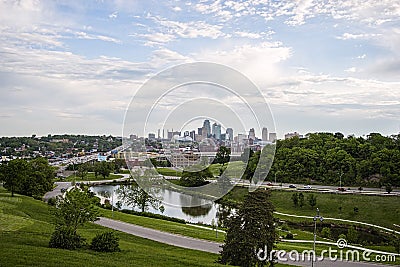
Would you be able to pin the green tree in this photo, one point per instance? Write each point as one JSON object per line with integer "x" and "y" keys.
{"x": 82, "y": 171}
{"x": 312, "y": 200}
{"x": 326, "y": 232}
{"x": 75, "y": 209}
{"x": 134, "y": 196}
{"x": 195, "y": 176}
{"x": 250, "y": 231}
{"x": 352, "y": 235}
{"x": 13, "y": 174}
{"x": 388, "y": 188}
{"x": 223, "y": 155}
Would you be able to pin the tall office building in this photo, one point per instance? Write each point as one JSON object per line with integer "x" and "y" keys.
{"x": 229, "y": 132}
{"x": 207, "y": 128}
{"x": 272, "y": 137}
{"x": 216, "y": 131}
{"x": 252, "y": 134}
{"x": 200, "y": 131}
{"x": 265, "y": 134}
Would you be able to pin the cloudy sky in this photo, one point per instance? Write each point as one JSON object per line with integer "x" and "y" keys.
{"x": 73, "y": 66}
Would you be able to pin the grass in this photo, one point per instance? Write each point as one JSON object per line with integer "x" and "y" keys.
{"x": 169, "y": 172}
{"x": 27, "y": 243}
{"x": 380, "y": 210}
{"x": 91, "y": 177}
{"x": 166, "y": 226}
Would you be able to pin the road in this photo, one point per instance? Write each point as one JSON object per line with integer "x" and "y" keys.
{"x": 207, "y": 246}
{"x": 59, "y": 185}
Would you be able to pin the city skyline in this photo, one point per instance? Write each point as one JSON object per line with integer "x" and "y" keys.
{"x": 72, "y": 67}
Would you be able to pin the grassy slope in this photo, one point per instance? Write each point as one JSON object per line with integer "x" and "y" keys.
{"x": 380, "y": 210}
{"x": 25, "y": 229}
{"x": 27, "y": 243}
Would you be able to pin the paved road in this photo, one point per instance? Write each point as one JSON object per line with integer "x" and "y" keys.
{"x": 203, "y": 245}
{"x": 163, "y": 237}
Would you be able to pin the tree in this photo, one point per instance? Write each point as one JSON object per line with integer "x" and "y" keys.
{"x": 102, "y": 168}
{"x": 13, "y": 174}
{"x": 326, "y": 232}
{"x": 75, "y": 209}
{"x": 388, "y": 188}
{"x": 82, "y": 171}
{"x": 301, "y": 200}
{"x": 352, "y": 235}
{"x": 312, "y": 200}
{"x": 30, "y": 178}
{"x": 135, "y": 196}
{"x": 295, "y": 199}
{"x": 250, "y": 231}
{"x": 195, "y": 176}
{"x": 223, "y": 155}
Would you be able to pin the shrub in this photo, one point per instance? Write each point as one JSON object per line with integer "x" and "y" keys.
{"x": 52, "y": 201}
{"x": 326, "y": 232}
{"x": 105, "y": 242}
{"x": 289, "y": 236}
{"x": 66, "y": 238}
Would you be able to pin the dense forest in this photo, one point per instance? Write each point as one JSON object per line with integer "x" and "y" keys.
{"x": 325, "y": 158}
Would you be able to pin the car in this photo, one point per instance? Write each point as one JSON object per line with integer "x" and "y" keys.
{"x": 292, "y": 186}
{"x": 269, "y": 184}
{"x": 307, "y": 187}
{"x": 341, "y": 189}
{"x": 63, "y": 190}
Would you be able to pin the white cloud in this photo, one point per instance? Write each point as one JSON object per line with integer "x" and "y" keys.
{"x": 87, "y": 36}
{"x": 113, "y": 15}
{"x": 350, "y": 36}
{"x": 352, "y": 69}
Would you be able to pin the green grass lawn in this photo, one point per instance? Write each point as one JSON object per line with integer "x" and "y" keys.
{"x": 91, "y": 177}
{"x": 26, "y": 226}
{"x": 380, "y": 210}
{"x": 169, "y": 172}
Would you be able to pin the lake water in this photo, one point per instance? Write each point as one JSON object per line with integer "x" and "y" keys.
{"x": 205, "y": 212}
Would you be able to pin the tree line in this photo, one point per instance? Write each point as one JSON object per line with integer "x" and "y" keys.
{"x": 31, "y": 178}
{"x": 327, "y": 158}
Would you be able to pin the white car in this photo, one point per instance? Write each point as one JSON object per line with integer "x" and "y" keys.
{"x": 307, "y": 187}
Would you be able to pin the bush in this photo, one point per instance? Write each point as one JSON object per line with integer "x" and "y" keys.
{"x": 66, "y": 238}
{"x": 289, "y": 236}
{"x": 52, "y": 201}
{"x": 326, "y": 232}
{"x": 105, "y": 242}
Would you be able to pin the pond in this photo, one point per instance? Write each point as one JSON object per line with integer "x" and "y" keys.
{"x": 205, "y": 211}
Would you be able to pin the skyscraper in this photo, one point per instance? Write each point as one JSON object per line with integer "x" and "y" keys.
{"x": 216, "y": 131}
{"x": 265, "y": 134}
{"x": 252, "y": 134}
{"x": 229, "y": 132}
{"x": 207, "y": 128}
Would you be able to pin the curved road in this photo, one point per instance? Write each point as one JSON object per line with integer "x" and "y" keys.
{"x": 207, "y": 246}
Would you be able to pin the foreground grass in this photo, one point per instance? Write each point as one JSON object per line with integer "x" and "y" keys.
{"x": 26, "y": 244}
{"x": 26, "y": 226}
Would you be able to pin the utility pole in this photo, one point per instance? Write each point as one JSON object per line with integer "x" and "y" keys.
{"x": 316, "y": 217}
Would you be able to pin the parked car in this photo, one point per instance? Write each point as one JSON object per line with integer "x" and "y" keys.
{"x": 341, "y": 189}
{"x": 307, "y": 187}
{"x": 292, "y": 186}
{"x": 269, "y": 184}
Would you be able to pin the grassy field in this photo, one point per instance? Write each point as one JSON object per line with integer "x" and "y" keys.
{"x": 91, "y": 177}
{"x": 26, "y": 226}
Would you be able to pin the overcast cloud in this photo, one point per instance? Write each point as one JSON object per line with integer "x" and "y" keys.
{"x": 73, "y": 66}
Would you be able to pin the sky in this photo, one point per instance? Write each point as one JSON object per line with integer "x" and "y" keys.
{"x": 321, "y": 66}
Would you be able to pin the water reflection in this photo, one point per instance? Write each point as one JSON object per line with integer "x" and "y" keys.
{"x": 196, "y": 210}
